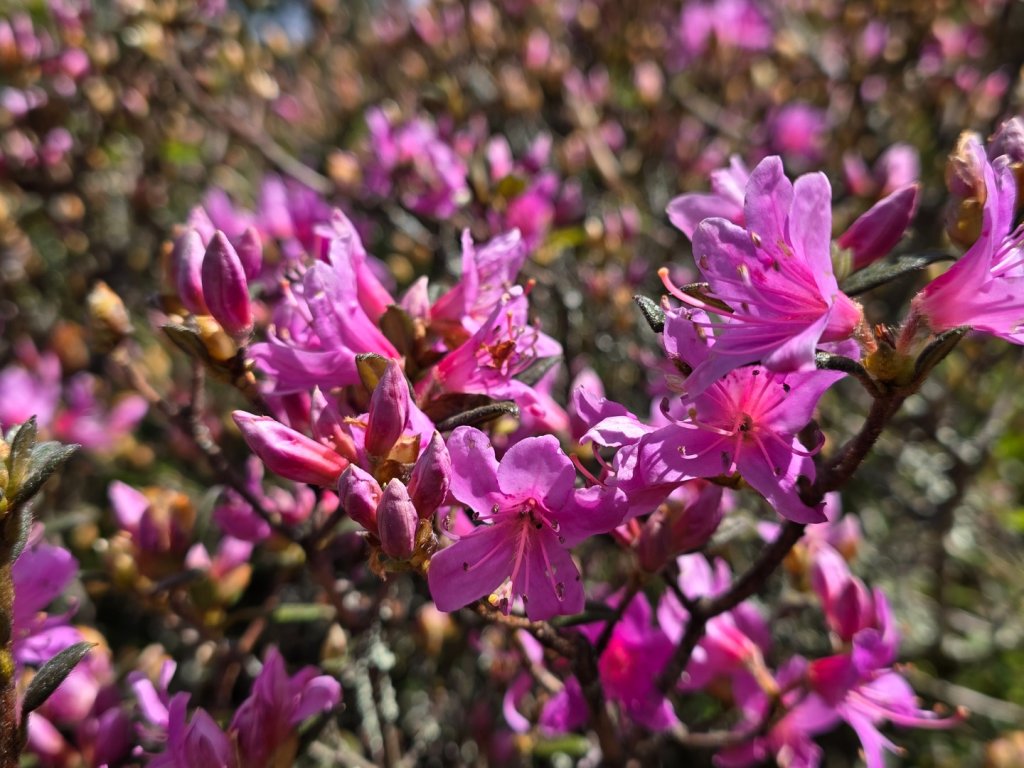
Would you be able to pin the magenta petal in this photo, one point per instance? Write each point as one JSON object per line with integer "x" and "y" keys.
{"x": 810, "y": 228}
{"x": 548, "y": 579}
{"x": 537, "y": 468}
{"x": 796, "y": 353}
{"x": 472, "y": 568}
{"x": 769, "y": 195}
{"x": 474, "y": 470}
{"x": 777, "y": 481}
{"x": 686, "y": 212}
{"x": 321, "y": 694}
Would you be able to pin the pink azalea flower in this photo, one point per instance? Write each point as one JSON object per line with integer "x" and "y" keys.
{"x": 984, "y": 289}
{"x": 725, "y": 200}
{"x": 532, "y": 514}
{"x": 775, "y": 276}
{"x": 746, "y": 423}
{"x": 267, "y": 721}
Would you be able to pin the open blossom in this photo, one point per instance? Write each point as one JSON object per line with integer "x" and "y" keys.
{"x": 745, "y": 423}
{"x": 774, "y": 277}
{"x": 724, "y": 201}
{"x": 263, "y": 732}
{"x": 984, "y": 289}
{"x": 532, "y": 513}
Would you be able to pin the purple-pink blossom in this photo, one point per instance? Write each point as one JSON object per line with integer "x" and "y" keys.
{"x": 531, "y": 513}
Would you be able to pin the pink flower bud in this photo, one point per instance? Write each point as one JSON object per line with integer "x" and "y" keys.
{"x": 654, "y": 544}
{"x": 225, "y": 288}
{"x": 289, "y": 453}
{"x": 877, "y": 231}
{"x": 187, "y": 258}
{"x": 431, "y": 477}
{"x": 250, "y": 251}
{"x": 389, "y": 411}
{"x": 397, "y": 521}
{"x": 359, "y": 494}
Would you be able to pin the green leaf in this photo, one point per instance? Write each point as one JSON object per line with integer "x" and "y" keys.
{"x": 475, "y": 416}
{"x": 935, "y": 352}
{"x": 43, "y": 461}
{"x": 371, "y": 367}
{"x": 536, "y": 370}
{"x": 398, "y": 327}
{"x": 51, "y": 675}
{"x": 653, "y": 314}
{"x": 882, "y": 272}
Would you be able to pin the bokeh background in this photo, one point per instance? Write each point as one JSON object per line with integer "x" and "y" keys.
{"x": 576, "y": 121}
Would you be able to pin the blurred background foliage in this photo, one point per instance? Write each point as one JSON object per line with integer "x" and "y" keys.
{"x": 143, "y": 109}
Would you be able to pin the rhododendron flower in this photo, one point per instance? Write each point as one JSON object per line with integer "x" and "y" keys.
{"x": 775, "y": 276}
{"x": 532, "y": 513}
{"x": 725, "y": 200}
{"x": 984, "y": 289}
{"x": 745, "y": 423}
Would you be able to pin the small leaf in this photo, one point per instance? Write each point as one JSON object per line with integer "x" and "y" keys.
{"x": 453, "y": 403}
{"x": 653, "y": 314}
{"x": 44, "y": 460}
{"x": 51, "y": 675}
{"x": 398, "y": 327}
{"x": 511, "y": 186}
{"x": 536, "y": 370}
{"x": 882, "y": 272}
{"x": 24, "y": 528}
{"x": 371, "y": 367}
{"x": 21, "y": 453}
{"x": 935, "y": 352}
{"x": 479, "y": 415}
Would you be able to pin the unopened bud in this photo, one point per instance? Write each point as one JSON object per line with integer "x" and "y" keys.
{"x": 250, "y": 251}
{"x": 877, "y": 231}
{"x": 654, "y": 544}
{"x": 289, "y": 453}
{"x": 225, "y": 288}
{"x": 397, "y": 521}
{"x": 359, "y": 494}
{"x": 389, "y": 411}
{"x": 187, "y": 258}
{"x": 431, "y": 477}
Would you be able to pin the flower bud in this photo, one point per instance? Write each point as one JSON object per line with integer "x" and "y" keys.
{"x": 359, "y": 494}
{"x": 250, "y": 252}
{"x": 187, "y": 258}
{"x": 654, "y": 545}
{"x": 397, "y": 521}
{"x": 225, "y": 288}
{"x": 288, "y": 453}
{"x": 877, "y": 231}
{"x": 431, "y": 477}
{"x": 389, "y": 411}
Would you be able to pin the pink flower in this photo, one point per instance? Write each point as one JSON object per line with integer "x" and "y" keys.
{"x": 267, "y": 722}
{"x": 775, "y": 276}
{"x": 725, "y": 200}
{"x": 746, "y": 423}
{"x": 985, "y": 288}
{"x": 532, "y": 514}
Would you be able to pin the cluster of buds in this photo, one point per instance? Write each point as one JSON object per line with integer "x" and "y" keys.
{"x": 396, "y": 499}
{"x": 211, "y": 277}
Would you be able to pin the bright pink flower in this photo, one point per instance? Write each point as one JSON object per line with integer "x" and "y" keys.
{"x": 984, "y": 289}
{"x": 269, "y": 719}
{"x": 532, "y": 514}
{"x": 745, "y": 423}
{"x": 725, "y": 200}
{"x": 775, "y": 276}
